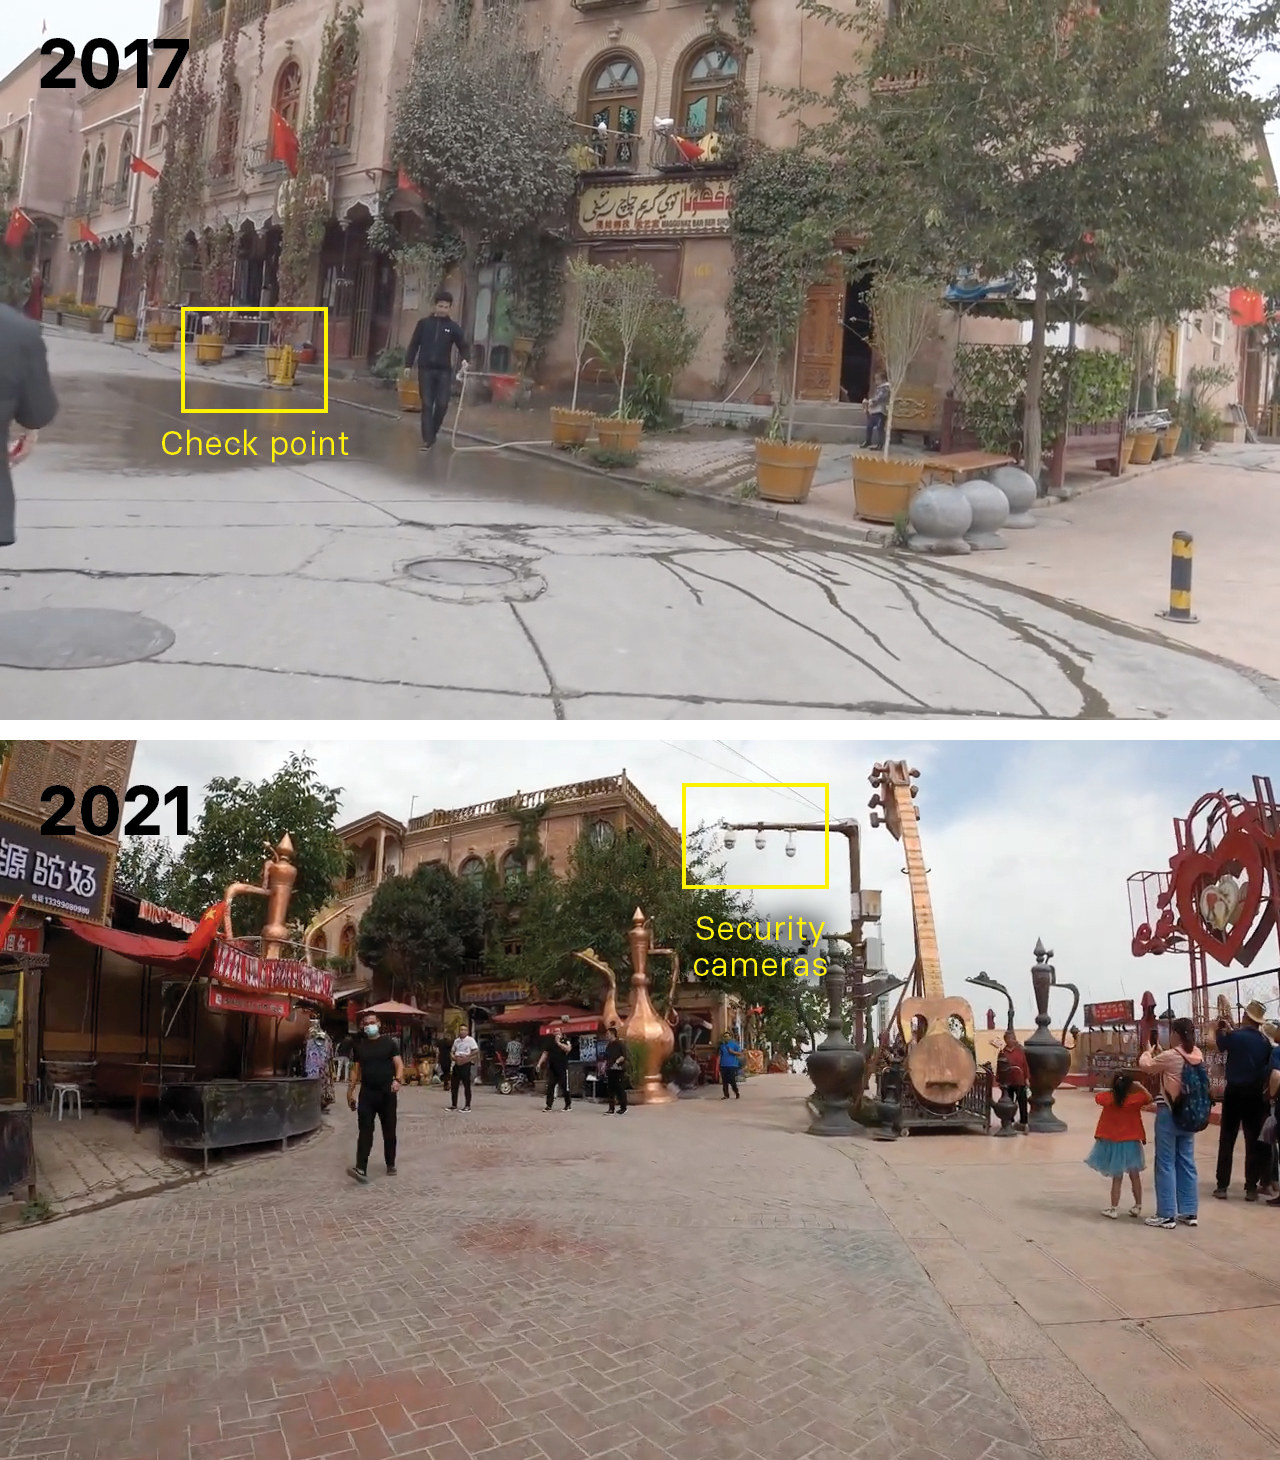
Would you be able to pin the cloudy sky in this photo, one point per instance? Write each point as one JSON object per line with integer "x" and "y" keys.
{"x": 1023, "y": 840}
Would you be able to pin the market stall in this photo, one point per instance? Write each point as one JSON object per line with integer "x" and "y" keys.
{"x": 17, "y": 1088}
{"x": 533, "y": 1023}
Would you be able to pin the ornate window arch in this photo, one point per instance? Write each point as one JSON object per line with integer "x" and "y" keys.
{"x": 347, "y": 943}
{"x": 286, "y": 94}
{"x": 612, "y": 97}
{"x": 342, "y": 103}
{"x": 126, "y": 159}
{"x": 472, "y": 870}
{"x": 99, "y": 169}
{"x": 82, "y": 185}
{"x": 513, "y": 866}
{"x": 704, "y": 102}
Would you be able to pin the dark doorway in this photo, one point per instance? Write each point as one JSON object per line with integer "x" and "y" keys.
{"x": 855, "y": 358}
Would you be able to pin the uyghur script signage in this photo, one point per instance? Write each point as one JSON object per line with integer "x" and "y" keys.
{"x": 494, "y": 993}
{"x": 55, "y": 874}
{"x": 239, "y": 970}
{"x": 625, "y": 210}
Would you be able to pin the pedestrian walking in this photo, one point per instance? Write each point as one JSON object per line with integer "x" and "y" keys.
{"x": 462, "y": 1059}
{"x": 444, "y": 1058}
{"x": 1244, "y": 1100}
{"x": 34, "y": 307}
{"x": 1182, "y": 1110}
{"x": 556, "y": 1059}
{"x": 876, "y": 408}
{"x": 730, "y": 1062}
{"x": 319, "y": 1061}
{"x": 1272, "y": 1032}
{"x": 26, "y": 399}
{"x": 1119, "y": 1139}
{"x": 377, "y": 1072}
{"x": 615, "y": 1069}
{"x": 1013, "y": 1075}
{"x": 431, "y": 348}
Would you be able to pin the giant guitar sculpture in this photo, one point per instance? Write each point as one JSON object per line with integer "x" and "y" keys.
{"x": 938, "y": 1032}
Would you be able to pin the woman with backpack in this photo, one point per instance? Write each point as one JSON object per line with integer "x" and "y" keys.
{"x": 1182, "y": 1109}
{"x": 1119, "y": 1139}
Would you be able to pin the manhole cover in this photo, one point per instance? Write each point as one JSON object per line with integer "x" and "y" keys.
{"x": 79, "y": 638}
{"x": 460, "y": 572}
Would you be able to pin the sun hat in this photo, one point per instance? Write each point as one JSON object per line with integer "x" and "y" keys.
{"x": 1255, "y": 1011}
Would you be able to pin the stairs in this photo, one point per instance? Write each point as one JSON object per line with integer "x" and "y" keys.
{"x": 831, "y": 422}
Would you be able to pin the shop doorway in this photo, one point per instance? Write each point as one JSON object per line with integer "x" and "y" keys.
{"x": 856, "y": 352}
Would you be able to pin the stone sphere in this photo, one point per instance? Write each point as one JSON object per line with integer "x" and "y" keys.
{"x": 940, "y": 513}
{"x": 990, "y": 509}
{"x": 1020, "y": 489}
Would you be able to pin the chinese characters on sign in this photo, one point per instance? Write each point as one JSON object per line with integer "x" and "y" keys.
{"x": 242, "y": 970}
{"x": 1118, "y": 1011}
{"x": 629, "y": 209}
{"x": 53, "y": 874}
{"x": 494, "y": 993}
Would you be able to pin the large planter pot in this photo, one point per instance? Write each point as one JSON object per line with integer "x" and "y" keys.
{"x": 504, "y": 389}
{"x": 125, "y": 327}
{"x": 162, "y": 336}
{"x": 307, "y": 355}
{"x": 273, "y": 359}
{"x": 688, "y": 1075}
{"x": 409, "y": 394}
{"x": 1172, "y": 436}
{"x": 883, "y": 487}
{"x": 209, "y": 349}
{"x": 784, "y": 471}
{"x": 616, "y": 434}
{"x": 1126, "y": 452}
{"x": 1144, "y": 447}
{"x": 570, "y": 428}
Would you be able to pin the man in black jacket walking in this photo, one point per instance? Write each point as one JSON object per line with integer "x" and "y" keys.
{"x": 431, "y": 348}
{"x": 26, "y": 397}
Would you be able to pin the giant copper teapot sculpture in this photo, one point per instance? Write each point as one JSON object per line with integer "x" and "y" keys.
{"x": 644, "y": 1026}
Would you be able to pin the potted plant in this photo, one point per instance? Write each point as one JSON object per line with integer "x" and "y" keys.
{"x": 1206, "y": 423}
{"x": 218, "y": 250}
{"x": 587, "y": 281}
{"x": 785, "y": 467}
{"x": 1145, "y": 439}
{"x": 629, "y": 293}
{"x": 125, "y": 327}
{"x": 903, "y": 311}
{"x": 1167, "y": 401}
{"x": 307, "y": 354}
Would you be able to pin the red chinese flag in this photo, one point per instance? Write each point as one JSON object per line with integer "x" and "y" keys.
{"x": 8, "y": 921}
{"x": 1247, "y": 307}
{"x": 87, "y": 235}
{"x": 138, "y": 164}
{"x": 206, "y": 930}
{"x": 284, "y": 143}
{"x": 19, "y": 226}
{"x": 690, "y": 151}
{"x": 406, "y": 184}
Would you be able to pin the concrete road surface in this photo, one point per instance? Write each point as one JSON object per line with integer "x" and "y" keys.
{"x": 389, "y": 584}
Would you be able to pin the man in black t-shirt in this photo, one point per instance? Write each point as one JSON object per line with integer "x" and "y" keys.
{"x": 615, "y": 1066}
{"x": 377, "y": 1072}
{"x": 556, "y": 1058}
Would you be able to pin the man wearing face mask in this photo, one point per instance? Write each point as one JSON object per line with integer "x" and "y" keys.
{"x": 377, "y": 1072}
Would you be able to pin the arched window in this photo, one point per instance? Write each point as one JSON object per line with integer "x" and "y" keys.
{"x": 287, "y": 96}
{"x": 341, "y": 103}
{"x": 82, "y": 186}
{"x": 347, "y": 943}
{"x": 99, "y": 170}
{"x": 704, "y": 95}
{"x": 602, "y": 834}
{"x": 126, "y": 159}
{"x": 228, "y": 131}
{"x": 513, "y": 868}
{"x": 613, "y": 101}
{"x": 472, "y": 870}
{"x": 318, "y": 943}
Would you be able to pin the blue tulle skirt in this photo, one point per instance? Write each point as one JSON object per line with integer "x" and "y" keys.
{"x": 1116, "y": 1158}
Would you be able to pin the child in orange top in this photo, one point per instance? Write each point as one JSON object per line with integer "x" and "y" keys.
{"x": 1119, "y": 1139}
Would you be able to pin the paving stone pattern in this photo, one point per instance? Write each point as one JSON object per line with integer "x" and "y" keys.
{"x": 692, "y": 1281}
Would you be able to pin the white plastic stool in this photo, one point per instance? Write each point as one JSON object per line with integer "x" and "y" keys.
{"x": 61, "y": 1094}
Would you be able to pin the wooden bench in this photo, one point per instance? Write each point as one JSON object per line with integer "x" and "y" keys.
{"x": 959, "y": 466}
{"x": 1094, "y": 447}
{"x": 918, "y": 412}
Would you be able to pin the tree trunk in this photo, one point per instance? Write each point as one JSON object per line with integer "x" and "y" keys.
{"x": 888, "y": 425}
{"x": 1031, "y": 432}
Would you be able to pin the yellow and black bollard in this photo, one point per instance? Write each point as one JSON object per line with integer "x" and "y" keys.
{"x": 1179, "y": 611}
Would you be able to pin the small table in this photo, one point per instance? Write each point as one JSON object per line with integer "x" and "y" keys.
{"x": 955, "y": 466}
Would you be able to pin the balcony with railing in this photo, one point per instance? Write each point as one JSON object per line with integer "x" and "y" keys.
{"x": 693, "y": 152}
{"x": 258, "y": 158}
{"x": 355, "y": 886}
{"x": 243, "y": 11}
{"x": 223, "y": 170}
{"x": 606, "y": 154}
{"x": 527, "y": 800}
{"x": 112, "y": 195}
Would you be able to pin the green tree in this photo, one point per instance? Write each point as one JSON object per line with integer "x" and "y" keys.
{"x": 1047, "y": 138}
{"x": 239, "y": 816}
{"x": 151, "y": 869}
{"x": 483, "y": 126}
{"x": 420, "y": 931}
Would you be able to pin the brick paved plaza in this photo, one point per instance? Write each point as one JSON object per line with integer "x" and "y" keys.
{"x": 697, "y": 1281}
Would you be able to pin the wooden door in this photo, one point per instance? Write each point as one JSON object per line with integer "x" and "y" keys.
{"x": 821, "y": 339}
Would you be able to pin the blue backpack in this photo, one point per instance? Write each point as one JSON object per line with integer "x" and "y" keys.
{"x": 1191, "y": 1108}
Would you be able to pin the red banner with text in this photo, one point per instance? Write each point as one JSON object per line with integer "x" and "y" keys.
{"x": 270, "y": 1006}
{"x": 239, "y": 970}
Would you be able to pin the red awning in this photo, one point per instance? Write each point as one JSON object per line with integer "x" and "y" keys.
{"x": 133, "y": 945}
{"x": 587, "y": 1024}
{"x": 542, "y": 1013}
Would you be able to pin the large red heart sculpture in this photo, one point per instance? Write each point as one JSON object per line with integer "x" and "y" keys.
{"x": 1238, "y": 854}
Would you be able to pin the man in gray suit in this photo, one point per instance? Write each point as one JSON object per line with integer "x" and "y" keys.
{"x": 26, "y": 397}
